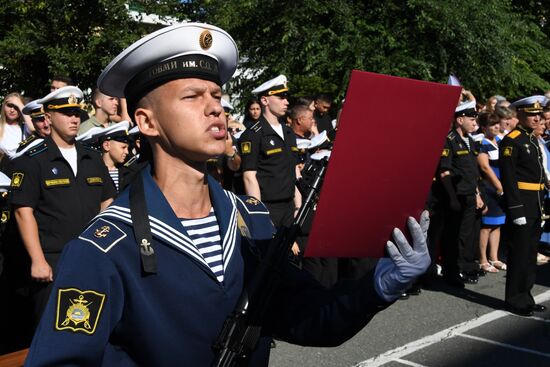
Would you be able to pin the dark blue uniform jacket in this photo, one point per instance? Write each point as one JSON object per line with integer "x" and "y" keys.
{"x": 104, "y": 312}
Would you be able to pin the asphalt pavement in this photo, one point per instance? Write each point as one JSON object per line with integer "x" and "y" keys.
{"x": 443, "y": 326}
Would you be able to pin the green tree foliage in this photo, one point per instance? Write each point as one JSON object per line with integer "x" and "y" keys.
{"x": 40, "y": 39}
{"x": 493, "y": 46}
{"x": 490, "y": 46}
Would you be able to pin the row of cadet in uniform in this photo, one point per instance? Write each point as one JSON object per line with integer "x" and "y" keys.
{"x": 488, "y": 181}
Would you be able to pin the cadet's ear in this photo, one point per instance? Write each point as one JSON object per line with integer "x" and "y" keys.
{"x": 145, "y": 119}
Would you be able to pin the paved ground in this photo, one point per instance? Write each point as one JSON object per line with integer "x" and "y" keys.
{"x": 442, "y": 327}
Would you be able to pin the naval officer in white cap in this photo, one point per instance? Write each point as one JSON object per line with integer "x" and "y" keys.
{"x": 58, "y": 185}
{"x": 152, "y": 279}
{"x": 523, "y": 181}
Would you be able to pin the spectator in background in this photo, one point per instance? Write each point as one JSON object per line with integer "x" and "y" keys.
{"x": 323, "y": 121}
{"x": 495, "y": 217}
{"x": 60, "y": 81}
{"x": 490, "y": 104}
{"x": 13, "y": 128}
{"x": 105, "y": 107}
{"x": 252, "y": 112}
{"x": 507, "y": 120}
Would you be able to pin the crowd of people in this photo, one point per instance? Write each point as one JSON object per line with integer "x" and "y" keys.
{"x": 491, "y": 188}
{"x": 160, "y": 142}
{"x": 63, "y": 168}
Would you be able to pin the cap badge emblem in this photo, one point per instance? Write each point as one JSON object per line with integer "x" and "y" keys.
{"x": 537, "y": 105}
{"x": 72, "y": 99}
{"x": 205, "y": 39}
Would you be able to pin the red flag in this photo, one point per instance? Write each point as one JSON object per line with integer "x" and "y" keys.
{"x": 390, "y": 137}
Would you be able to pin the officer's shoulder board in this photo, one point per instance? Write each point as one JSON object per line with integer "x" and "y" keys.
{"x": 257, "y": 127}
{"x": 31, "y": 149}
{"x": 103, "y": 234}
{"x": 514, "y": 134}
{"x": 26, "y": 142}
{"x": 450, "y": 136}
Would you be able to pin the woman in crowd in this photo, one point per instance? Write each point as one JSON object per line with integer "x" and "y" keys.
{"x": 495, "y": 217}
{"x": 252, "y": 112}
{"x": 13, "y": 127}
{"x": 545, "y": 236}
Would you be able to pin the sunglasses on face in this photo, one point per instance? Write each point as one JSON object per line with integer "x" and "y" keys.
{"x": 233, "y": 129}
{"x": 11, "y": 105}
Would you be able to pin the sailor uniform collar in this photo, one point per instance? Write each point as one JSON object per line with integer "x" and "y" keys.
{"x": 166, "y": 227}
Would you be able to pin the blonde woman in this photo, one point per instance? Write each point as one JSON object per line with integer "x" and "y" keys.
{"x": 13, "y": 126}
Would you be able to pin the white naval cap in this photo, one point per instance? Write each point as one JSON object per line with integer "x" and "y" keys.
{"x": 532, "y": 104}
{"x": 33, "y": 109}
{"x": 466, "y": 109}
{"x": 226, "y": 105}
{"x": 187, "y": 50}
{"x": 272, "y": 87}
{"x": 118, "y": 131}
{"x": 134, "y": 130}
{"x": 67, "y": 97}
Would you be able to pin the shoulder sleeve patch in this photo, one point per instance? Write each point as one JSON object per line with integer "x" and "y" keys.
{"x": 514, "y": 134}
{"x": 445, "y": 153}
{"x": 103, "y": 234}
{"x": 17, "y": 179}
{"x": 507, "y": 152}
{"x": 77, "y": 310}
{"x": 246, "y": 147}
{"x": 252, "y": 205}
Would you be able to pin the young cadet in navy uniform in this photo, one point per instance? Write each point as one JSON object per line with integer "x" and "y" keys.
{"x": 269, "y": 155}
{"x": 459, "y": 176}
{"x": 57, "y": 187}
{"x": 523, "y": 181}
{"x": 161, "y": 299}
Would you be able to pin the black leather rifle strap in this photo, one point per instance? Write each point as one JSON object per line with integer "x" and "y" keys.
{"x": 142, "y": 228}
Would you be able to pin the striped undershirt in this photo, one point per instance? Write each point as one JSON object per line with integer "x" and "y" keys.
{"x": 205, "y": 234}
{"x": 114, "y": 176}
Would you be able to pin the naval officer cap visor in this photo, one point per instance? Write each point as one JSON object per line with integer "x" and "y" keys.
{"x": 187, "y": 50}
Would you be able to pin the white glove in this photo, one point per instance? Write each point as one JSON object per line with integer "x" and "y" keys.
{"x": 521, "y": 221}
{"x": 395, "y": 274}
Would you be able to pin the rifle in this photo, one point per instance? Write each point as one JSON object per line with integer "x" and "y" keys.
{"x": 241, "y": 330}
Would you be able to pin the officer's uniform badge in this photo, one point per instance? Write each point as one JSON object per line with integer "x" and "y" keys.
{"x": 5, "y": 216}
{"x": 17, "y": 179}
{"x": 445, "y": 153}
{"x": 77, "y": 310}
{"x": 72, "y": 99}
{"x": 507, "y": 152}
{"x": 246, "y": 147}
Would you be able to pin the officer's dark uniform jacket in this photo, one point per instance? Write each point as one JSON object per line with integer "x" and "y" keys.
{"x": 63, "y": 204}
{"x": 274, "y": 159}
{"x": 522, "y": 174}
{"x": 461, "y": 162}
{"x": 103, "y": 311}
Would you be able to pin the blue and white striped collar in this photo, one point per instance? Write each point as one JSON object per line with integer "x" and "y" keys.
{"x": 166, "y": 227}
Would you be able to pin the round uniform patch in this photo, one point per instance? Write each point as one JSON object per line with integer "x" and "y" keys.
{"x": 205, "y": 39}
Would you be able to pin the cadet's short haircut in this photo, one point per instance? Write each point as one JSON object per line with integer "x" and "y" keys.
{"x": 95, "y": 95}
{"x": 298, "y": 111}
{"x": 65, "y": 79}
{"x": 504, "y": 112}
{"x": 487, "y": 119}
{"x": 324, "y": 98}
{"x": 304, "y": 101}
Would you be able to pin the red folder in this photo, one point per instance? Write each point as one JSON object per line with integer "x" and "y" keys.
{"x": 390, "y": 137}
